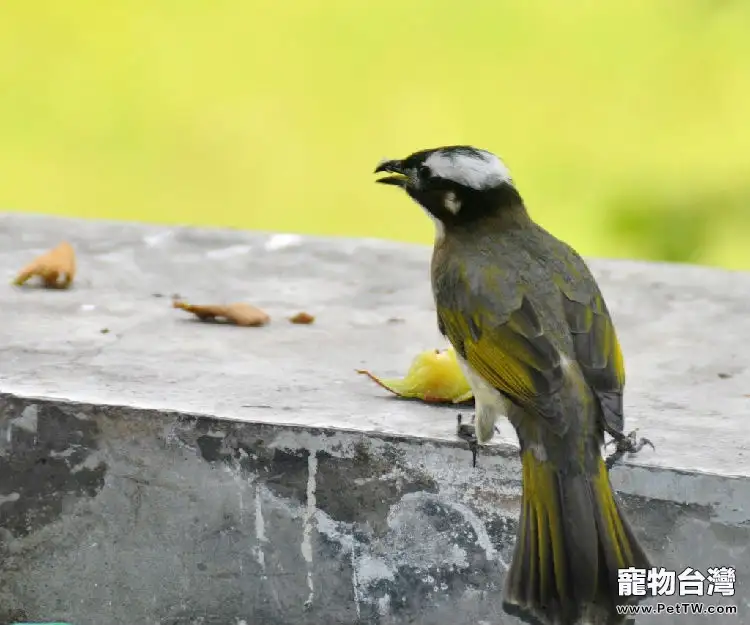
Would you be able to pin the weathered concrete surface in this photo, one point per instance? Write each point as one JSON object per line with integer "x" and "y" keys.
{"x": 172, "y": 472}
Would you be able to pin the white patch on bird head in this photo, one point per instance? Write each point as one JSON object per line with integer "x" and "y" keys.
{"x": 476, "y": 169}
{"x": 451, "y": 202}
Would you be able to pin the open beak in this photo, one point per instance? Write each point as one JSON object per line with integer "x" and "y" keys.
{"x": 398, "y": 179}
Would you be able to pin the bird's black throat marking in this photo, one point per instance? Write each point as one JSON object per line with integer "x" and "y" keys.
{"x": 475, "y": 204}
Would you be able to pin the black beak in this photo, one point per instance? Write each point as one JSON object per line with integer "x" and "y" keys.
{"x": 398, "y": 179}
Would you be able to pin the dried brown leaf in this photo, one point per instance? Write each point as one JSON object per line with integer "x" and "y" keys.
{"x": 239, "y": 314}
{"x": 302, "y": 318}
{"x": 56, "y": 268}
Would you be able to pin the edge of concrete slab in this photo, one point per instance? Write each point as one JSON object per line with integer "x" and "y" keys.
{"x": 727, "y": 497}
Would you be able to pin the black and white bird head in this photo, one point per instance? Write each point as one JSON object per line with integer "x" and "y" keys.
{"x": 455, "y": 184}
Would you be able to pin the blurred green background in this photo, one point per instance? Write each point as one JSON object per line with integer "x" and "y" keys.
{"x": 625, "y": 124}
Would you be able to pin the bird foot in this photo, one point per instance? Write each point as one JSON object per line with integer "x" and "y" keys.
{"x": 625, "y": 444}
{"x": 467, "y": 432}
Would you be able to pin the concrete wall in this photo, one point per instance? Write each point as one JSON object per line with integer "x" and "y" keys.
{"x": 172, "y": 472}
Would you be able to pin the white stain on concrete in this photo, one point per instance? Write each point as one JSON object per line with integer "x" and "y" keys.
{"x": 241, "y": 505}
{"x": 384, "y": 605}
{"x": 229, "y": 252}
{"x": 63, "y": 454}
{"x": 307, "y": 528}
{"x": 380, "y": 559}
{"x": 398, "y": 548}
{"x": 483, "y": 537}
{"x": 334, "y": 530}
{"x": 260, "y": 530}
{"x": 355, "y": 583}
{"x": 338, "y": 531}
{"x": 458, "y": 557}
{"x": 29, "y": 419}
{"x": 9, "y": 498}
{"x": 395, "y": 474}
{"x": 236, "y": 473}
{"x": 370, "y": 569}
{"x": 281, "y": 241}
{"x": 158, "y": 238}
{"x": 449, "y": 465}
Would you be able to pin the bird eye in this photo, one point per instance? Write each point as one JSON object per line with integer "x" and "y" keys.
{"x": 424, "y": 171}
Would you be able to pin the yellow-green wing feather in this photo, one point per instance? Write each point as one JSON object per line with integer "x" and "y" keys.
{"x": 512, "y": 354}
{"x": 598, "y": 353}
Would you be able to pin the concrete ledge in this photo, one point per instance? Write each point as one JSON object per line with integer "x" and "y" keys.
{"x": 174, "y": 472}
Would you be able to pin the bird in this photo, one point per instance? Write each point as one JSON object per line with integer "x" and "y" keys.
{"x": 538, "y": 345}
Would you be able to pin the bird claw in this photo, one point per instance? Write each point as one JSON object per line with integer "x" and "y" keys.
{"x": 625, "y": 444}
{"x": 467, "y": 432}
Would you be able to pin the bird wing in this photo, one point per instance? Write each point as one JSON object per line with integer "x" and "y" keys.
{"x": 598, "y": 352}
{"x": 510, "y": 351}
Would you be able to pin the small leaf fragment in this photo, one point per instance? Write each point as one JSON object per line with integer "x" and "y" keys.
{"x": 56, "y": 268}
{"x": 433, "y": 377}
{"x": 302, "y": 318}
{"x": 239, "y": 314}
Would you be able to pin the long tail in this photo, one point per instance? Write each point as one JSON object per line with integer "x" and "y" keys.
{"x": 572, "y": 539}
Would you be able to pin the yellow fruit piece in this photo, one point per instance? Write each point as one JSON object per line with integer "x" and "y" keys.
{"x": 434, "y": 376}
